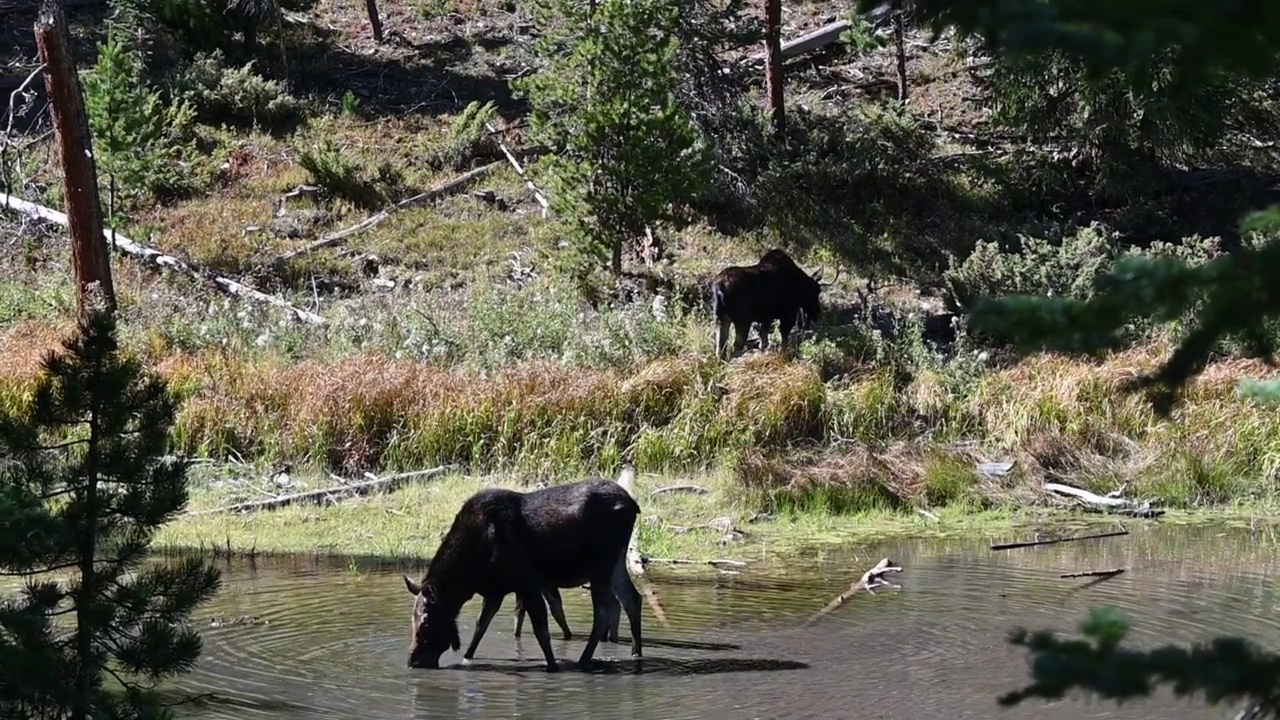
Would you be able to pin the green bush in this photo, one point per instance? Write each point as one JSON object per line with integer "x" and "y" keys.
{"x": 237, "y": 96}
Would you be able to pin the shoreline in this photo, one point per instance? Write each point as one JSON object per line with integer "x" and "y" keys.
{"x": 404, "y": 526}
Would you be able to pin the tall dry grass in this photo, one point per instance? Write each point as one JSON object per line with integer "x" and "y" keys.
{"x": 867, "y": 439}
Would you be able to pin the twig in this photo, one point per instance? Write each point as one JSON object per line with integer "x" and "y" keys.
{"x": 695, "y": 489}
{"x": 155, "y": 257}
{"x": 341, "y": 235}
{"x": 872, "y": 578}
{"x": 537, "y": 194}
{"x": 354, "y": 489}
{"x": 1034, "y": 543}
{"x": 1093, "y": 573}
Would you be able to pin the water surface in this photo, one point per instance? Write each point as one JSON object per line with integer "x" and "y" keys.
{"x": 335, "y": 636}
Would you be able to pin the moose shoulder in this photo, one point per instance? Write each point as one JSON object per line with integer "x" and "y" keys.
{"x": 775, "y": 288}
{"x": 503, "y": 542}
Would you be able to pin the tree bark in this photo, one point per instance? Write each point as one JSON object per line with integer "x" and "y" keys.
{"x": 80, "y": 176}
{"x": 773, "y": 65}
{"x": 900, "y": 49}
{"x": 375, "y": 21}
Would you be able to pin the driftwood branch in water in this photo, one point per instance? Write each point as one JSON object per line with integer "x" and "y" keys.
{"x": 347, "y": 490}
{"x": 159, "y": 259}
{"x": 340, "y": 236}
{"x": 872, "y": 578}
{"x": 511, "y": 158}
{"x": 1093, "y": 573}
{"x": 651, "y": 596}
{"x": 635, "y": 561}
{"x": 1034, "y": 543}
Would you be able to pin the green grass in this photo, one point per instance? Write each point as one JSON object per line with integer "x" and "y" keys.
{"x": 409, "y": 522}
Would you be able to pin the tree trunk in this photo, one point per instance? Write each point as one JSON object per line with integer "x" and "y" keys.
{"x": 900, "y": 49}
{"x": 88, "y": 672}
{"x": 80, "y": 176}
{"x": 773, "y": 65}
{"x": 375, "y": 22}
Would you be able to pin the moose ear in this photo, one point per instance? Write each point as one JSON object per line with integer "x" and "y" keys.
{"x": 414, "y": 588}
{"x": 817, "y": 274}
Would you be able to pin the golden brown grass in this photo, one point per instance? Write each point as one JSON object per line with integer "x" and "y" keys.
{"x": 762, "y": 414}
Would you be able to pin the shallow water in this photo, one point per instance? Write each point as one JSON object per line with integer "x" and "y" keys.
{"x": 335, "y": 638}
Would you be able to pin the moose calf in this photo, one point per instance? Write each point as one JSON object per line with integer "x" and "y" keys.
{"x": 612, "y": 615}
{"x": 503, "y": 542}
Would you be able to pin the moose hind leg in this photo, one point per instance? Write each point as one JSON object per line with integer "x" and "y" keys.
{"x": 722, "y": 338}
{"x": 537, "y": 609}
{"x": 740, "y": 331}
{"x": 627, "y": 595}
{"x": 519, "y": 617}
{"x": 557, "y": 610}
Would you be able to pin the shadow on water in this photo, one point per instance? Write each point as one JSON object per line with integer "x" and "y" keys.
{"x": 330, "y": 636}
{"x": 651, "y": 666}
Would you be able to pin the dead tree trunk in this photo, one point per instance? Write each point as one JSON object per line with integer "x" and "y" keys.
{"x": 80, "y": 176}
{"x": 900, "y": 50}
{"x": 375, "y": 22}
{"x": 773, "y": 65}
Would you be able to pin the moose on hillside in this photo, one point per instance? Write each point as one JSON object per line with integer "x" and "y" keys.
{"x": 504, "y": 542}
{"x": 775, "y": 288}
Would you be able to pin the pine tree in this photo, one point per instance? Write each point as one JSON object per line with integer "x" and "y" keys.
{"x": 626, "y": 152}
{"x": 85, "y": 481}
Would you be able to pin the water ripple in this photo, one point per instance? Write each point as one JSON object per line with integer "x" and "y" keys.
{"x": 334, "y": 642}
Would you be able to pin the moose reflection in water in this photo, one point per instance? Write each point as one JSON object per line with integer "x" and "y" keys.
{"x": 504, "y": 542}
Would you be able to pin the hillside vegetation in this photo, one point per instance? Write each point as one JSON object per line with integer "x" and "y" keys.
{"x": 471, "y": 329}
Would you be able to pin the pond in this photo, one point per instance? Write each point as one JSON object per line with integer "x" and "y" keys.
{"x": 332, "y": 637}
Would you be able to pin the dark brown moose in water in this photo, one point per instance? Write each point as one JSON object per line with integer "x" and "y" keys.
{"x": 504, "y": 542}
{"x": 773, "y": 289}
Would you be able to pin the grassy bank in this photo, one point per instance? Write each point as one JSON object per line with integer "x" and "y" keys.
{"x": 454, "y": 335}
{"x": 684, "y": 526}
{"x": 780, "y": 430}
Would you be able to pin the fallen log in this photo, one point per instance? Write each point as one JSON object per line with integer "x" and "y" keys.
{"x": 1087, "y": 497}
{"x": 810, "y": 41}
{"x": 159, "y": 259}
{"x": 718, "y": 564}
{"x": 872, "y": 578}
{"x": 815, "y": 40}
{"x": 1034, "y": 543}
{"x": 695, "y": 489}
{"x": 635, "y": 561}
{"x": 340, "y": 236}
{"x": 1093, "y": 573}
{"x": 511, "y": 158}
{"x": 347, "y": 490}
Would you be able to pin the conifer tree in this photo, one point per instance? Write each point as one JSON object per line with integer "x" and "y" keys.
{"x": 85, "y": 481}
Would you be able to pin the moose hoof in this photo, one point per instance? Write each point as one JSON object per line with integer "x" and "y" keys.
{"x": 568, "y": 636}
{"x": 553, "y": 667}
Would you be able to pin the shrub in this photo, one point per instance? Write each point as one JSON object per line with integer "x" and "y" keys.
{"x": 237, "y": 95}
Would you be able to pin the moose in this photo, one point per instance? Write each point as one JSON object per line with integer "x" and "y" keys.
{"x": 503, "y": 542}
{"x": 775, "y": 288}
